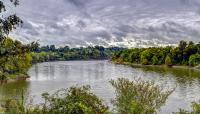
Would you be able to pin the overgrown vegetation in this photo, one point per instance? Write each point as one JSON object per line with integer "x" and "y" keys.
{"x": 132, "y": 97}
{"x": 75, "y": 100}
{"x": 138, "y": 97}
{"x": 187, "y": 53}
{"x": 14, "y": 56}
{"x": 15, "y": 59}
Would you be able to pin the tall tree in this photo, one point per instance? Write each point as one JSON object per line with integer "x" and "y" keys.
{"x": 10, "y": 22}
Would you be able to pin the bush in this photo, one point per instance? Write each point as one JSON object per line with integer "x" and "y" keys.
{"x": 168, "y": 61}
{"x": 75, "y": 100}
{"x": 138, "y": 97}
{"x": 132, "y": 97}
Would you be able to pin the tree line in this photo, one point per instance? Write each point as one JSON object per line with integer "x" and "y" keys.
{"x": 186, "y": 53}
{"x": 51, "y": 53}
{"x": 16, "y": 58}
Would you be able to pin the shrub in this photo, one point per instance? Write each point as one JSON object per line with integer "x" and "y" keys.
{"x": 75, "y": 100}
{"x": 168, "y": 61}
{"x": 138, "y": 97}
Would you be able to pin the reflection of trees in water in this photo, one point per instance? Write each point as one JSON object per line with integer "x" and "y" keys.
{"x": 187, "y": 81}
{"x": 51, "y": 71}
{"x": 36, "y": 71}
{"x": 14, "y": 90}
{"x": 185, "y": 77}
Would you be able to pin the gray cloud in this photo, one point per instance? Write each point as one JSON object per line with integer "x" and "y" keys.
{"x": 109, "y": 22}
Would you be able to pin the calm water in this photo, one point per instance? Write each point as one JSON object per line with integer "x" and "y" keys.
{"x": 51, "y": 76}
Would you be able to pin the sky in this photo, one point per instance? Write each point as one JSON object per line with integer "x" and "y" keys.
{"x": 126, "y": 23}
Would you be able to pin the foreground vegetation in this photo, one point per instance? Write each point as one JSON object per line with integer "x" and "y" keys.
{"x": 132, "y": 97}
{"x": 187, "y": 53}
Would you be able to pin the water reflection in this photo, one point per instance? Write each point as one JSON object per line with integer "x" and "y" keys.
{"x": 51, "y": 76}
{"x": 13, "y": 90}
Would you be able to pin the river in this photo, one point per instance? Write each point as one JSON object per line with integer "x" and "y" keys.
{"x": 51, "y": 76}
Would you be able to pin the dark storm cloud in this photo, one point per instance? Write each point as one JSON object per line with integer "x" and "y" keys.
{"x": 109, "y": 22}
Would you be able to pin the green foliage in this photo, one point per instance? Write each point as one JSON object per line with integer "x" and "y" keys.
{"x": 15, "y": 58}
{"x": 158, "y": 55}
{"x": 15, "y": 106}
{"x": 168, "y": 61}
{"x": 155, "y": 60}
{"x": 134, "y": 56}
{"x": 194, "y": 60}
{"x": 75, "y": 100}
{"x": 144, "y": 62}
{"x": 132, "y": 97}
{"x": 138, "y": 97}
{"x": 51, "y": 53}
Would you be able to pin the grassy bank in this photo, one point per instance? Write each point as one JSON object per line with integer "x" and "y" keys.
{"x": 141, "y": 65}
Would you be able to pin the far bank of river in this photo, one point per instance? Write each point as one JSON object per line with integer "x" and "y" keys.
{"x": 162, "y": 66}
{"x": 51, "y": 76}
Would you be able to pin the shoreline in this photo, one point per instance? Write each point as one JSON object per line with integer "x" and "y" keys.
{"x": 21, "y": 77}
{"x": 197, "y": 68}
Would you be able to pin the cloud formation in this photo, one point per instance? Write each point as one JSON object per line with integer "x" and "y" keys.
{"x": 128, "y": 23}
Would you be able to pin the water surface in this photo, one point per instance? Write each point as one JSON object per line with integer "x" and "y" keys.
{"x": 51, "y": 76}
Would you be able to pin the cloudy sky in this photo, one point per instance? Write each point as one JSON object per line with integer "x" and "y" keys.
{"x": 132, "y": 23}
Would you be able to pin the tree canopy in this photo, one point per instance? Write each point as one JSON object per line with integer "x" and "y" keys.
{"x": 10, "y": 22}
{"x": 186, "y": 53}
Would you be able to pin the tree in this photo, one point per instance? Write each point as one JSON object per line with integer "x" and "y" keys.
{"x": 155, "y": 60}
{"x": 8, "y": 23}
{"x": 34, "y": 47}
{"x": 194, "y": 60}
{"x": 146, "y": 56}
{"x": 168, "y": 61}
{"x": 182, "y": 45}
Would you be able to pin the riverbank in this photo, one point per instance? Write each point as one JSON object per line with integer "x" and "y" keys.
{"x": 173, "y": 66}
{"x": 14, "y": 78}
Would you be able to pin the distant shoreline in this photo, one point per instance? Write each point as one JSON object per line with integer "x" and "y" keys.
{"x": 140, "y": 65}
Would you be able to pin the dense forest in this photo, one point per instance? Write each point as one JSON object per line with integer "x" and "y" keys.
{"x": 186, "y": 53}
{"x": 51, "y": 53}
